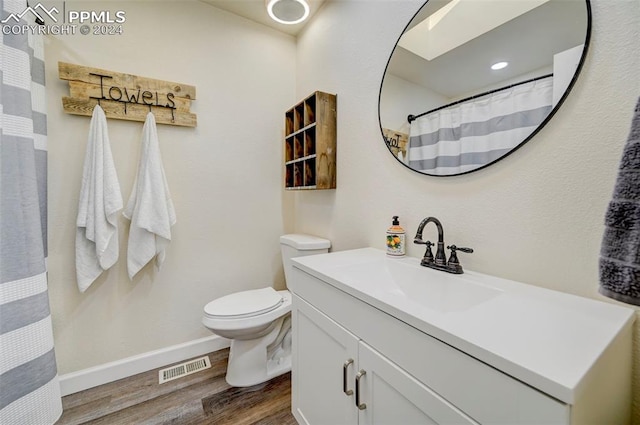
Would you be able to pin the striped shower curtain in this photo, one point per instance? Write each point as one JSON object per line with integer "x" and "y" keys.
{"x": 29, "y": 389}
{"x": 472, "y": 134}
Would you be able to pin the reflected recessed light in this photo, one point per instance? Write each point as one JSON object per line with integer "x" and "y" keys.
{"x": 288, "y": 11}
{"x": 499, "y": 65}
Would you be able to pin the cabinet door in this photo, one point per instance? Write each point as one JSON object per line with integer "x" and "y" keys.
{"x": 394, "y": 397}
{"x": 321, "y": 353}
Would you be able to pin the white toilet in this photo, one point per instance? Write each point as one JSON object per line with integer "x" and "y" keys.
{"x": 258, "y": 322}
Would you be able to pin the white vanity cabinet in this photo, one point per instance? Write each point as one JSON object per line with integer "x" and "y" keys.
{"x": 341, "y": 380}
{"x": 411, "y": 372}
{"x": 324, "y": 351}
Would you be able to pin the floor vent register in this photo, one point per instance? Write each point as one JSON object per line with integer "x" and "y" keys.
{"x": 184, "y": 369}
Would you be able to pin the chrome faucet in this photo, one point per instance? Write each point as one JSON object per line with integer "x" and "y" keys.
{"x": 440, "y": 261}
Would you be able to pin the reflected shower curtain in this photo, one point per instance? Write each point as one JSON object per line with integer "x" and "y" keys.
{"x": 469, "y": 135}
{"x": 29, "y": 389}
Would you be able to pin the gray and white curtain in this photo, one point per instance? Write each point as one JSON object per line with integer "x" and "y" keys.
{"x": 29, "y": 389}
{"x": 468, "y": 135}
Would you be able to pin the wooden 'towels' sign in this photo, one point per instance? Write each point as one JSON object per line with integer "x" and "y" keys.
{"x": 125, "y": 96}
{"x": 397, "y": 142}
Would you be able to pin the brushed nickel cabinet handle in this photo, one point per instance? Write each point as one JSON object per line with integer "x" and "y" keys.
{"x": 344, "y": 377}
{"x": 360, "y": 374}
{"x": 345, "y": 366}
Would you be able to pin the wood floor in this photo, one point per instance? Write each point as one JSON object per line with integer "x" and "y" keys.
{"x": 201, "y": 398}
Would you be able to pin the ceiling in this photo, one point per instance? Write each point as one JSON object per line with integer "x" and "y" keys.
{"x": 256, "y": 10}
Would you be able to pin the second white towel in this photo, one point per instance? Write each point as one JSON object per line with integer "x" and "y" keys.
{"x": 150, "y": 208}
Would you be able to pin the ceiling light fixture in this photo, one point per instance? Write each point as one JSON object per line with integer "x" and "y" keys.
{"x": 288, "y": 11}
{"x": 499, "y": 65}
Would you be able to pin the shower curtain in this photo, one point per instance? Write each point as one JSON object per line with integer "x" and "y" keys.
{"x": 29, "y": 389}
{"x": 469, "y": 135}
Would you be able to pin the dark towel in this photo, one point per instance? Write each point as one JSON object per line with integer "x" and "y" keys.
{"x": 620, "y": 252}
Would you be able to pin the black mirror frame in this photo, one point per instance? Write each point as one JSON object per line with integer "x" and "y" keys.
{"x": 546, "y": 120}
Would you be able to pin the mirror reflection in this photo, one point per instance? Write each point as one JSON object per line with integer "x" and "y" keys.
{"x": 469, "y": 81}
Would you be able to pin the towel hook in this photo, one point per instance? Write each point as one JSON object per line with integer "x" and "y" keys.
{"x": 149, "y": 107}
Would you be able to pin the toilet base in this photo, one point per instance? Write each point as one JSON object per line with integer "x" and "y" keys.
{"x": 249, "y": 363}
{"x": 239, "y": 377}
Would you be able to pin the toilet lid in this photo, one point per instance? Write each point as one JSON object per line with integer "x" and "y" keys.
{"x": 245, "y": 303}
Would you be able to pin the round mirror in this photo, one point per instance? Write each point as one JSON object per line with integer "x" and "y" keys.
{"x": 470, "y": 81}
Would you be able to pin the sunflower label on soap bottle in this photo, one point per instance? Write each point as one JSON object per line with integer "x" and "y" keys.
{"x": 395, "y": 239}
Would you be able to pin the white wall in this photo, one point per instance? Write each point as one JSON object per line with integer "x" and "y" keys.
{"x": 536, "y": 216}
{"x": 400, "y": 98}
{"x": 565, "y": 64}
{"x": 224, "y": 175}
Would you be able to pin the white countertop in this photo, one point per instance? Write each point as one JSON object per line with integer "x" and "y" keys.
{"x": 545, "y": 338}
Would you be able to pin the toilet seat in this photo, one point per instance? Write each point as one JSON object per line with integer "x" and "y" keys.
{"x": 244, "y": 304}
{"x": 239, "y": 324}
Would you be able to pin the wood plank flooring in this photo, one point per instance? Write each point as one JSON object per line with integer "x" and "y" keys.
{"x": 198, "y": 399}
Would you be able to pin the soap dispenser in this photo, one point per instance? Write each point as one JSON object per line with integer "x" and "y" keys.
{"x": 395, "y": 239}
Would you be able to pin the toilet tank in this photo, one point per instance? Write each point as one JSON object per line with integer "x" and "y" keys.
{"x": 295, "y": 245}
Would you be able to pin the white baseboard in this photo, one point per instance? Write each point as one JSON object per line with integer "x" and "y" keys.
{"x": 94, "y": 376}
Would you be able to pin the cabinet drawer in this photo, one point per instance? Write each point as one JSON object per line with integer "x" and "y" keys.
{"x": 482, "y": 392}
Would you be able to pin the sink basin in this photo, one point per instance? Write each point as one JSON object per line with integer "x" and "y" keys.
{"x": 412, "y": 283}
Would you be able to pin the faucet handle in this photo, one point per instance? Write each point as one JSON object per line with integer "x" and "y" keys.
{"x": 454, "y": 248}
{"x": 453, "y": 264}
{"x": 428, "y": 255}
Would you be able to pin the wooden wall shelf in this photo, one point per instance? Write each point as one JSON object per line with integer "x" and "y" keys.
{"x": 310, "y": 143}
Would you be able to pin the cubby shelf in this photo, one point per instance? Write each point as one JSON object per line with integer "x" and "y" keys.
{"x": 310, "y": 143}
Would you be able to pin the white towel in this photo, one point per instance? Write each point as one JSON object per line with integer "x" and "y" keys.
{"x": 149, "y": 208}
{"x": 100, "y": 201}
